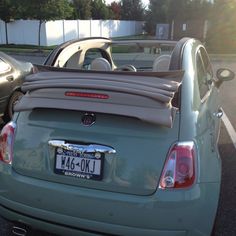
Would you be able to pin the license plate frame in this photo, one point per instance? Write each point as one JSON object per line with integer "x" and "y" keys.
{"x": 73, "y": 163}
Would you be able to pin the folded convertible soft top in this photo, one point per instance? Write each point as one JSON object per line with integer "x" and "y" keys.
{"x": 143, "y": 96}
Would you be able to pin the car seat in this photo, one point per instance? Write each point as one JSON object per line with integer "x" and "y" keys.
{"x": 100, "y": 64}
{"x": 161, "y": 63}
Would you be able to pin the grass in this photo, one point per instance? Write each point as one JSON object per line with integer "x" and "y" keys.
{"x": 25, "y": 48}
{"x": 139, "y": 36}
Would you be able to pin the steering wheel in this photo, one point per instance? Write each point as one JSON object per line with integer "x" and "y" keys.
{"x": 127, "y": 67}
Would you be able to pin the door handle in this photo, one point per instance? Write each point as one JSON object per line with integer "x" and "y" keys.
{"x": 10, "y": 78}
{"x": 219, "y": 113}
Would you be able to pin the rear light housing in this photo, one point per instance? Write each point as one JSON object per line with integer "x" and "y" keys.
{"x": 180, "y": 167}
{"x": 6, "y": 142}
{"x": 86, "y": 95}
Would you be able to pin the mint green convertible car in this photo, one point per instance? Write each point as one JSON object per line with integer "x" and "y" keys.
{"x": 115, "y": 138}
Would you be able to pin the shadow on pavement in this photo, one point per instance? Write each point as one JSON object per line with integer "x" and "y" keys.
{"x": 226, "y": 218}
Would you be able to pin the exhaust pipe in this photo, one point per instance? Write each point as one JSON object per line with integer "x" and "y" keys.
{"x": 19, "y": 231}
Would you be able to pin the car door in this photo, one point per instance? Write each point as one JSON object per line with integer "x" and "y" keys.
{"x": 6, "y": 78}
{"x": 209, "y": 95}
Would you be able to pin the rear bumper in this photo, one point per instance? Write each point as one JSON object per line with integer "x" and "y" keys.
{"x": 69, "y": 210}
{"x": 61, "y": 229}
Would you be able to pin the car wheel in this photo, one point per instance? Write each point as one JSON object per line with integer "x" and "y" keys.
{"x": 12, "y": 101}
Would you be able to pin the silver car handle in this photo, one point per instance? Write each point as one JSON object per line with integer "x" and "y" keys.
{"x": 82, "y": 148}
{"x": 219, "y": 113}
{"x": 10, "y": 78}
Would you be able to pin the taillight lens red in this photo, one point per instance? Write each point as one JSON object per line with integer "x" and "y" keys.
{"x": 6, "y": 142}
{"x": 86, "y": 95}
{"x": 179, "y": 170}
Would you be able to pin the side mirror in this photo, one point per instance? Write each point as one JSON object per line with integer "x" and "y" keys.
{"x": 224, "y": 74}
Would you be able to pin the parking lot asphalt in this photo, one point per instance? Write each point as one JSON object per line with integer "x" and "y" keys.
{"x": 226, "y": 217}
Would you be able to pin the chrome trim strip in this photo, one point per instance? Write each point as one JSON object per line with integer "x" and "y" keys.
{"x": 82, "y": 148}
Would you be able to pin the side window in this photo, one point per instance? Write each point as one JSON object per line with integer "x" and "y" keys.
{"x": 207, "y": 64}
{"x": 90, "y": 55}
{"x": 202, "y": 76}
{"x": 4, "y": 67}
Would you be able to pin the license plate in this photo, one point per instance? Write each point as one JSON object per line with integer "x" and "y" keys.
{"x": 79, "y": 165}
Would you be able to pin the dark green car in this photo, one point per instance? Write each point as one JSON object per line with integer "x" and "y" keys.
{"x": 121, "y": 139}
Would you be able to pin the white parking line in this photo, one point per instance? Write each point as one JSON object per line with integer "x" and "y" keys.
{"x": 230, "y": 129}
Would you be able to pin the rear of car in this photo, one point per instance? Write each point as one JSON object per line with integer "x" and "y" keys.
{"x": 93, "y": 161}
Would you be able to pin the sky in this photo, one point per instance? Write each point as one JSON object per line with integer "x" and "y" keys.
{"x": 145, "y": 2}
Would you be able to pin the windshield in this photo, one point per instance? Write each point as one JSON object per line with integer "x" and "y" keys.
{"x": 140, "y": 54}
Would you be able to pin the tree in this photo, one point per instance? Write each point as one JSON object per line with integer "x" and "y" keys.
{"x": 157, "y": 13}
{"x": 82, "y": 9}
{"x": 7, "y": 13}
{"x": 132, "y": 10}
{"x": 188, "y": 9}
{"x": 115, "y": 9}
{"x": 44, "y": 10}
{"x": 165, "y": 11}
{"x": 100, "y": 10}
{"x": 221, "y": 36}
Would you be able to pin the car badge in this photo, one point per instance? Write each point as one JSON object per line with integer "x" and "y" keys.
{"x": 88, "y": 119}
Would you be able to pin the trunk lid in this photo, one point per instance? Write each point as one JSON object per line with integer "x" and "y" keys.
{"x": 134, "y": 167}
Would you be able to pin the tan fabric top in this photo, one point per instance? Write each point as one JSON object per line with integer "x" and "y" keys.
{"x": 145, "y": 96}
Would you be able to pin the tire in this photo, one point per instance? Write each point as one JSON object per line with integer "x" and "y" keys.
{"x": 10, "y": 106}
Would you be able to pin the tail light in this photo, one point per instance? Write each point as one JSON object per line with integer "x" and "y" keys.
{"x": 179, "y": 170}
{"x": 6, "y": 142}
{"x": 86, "y": 95}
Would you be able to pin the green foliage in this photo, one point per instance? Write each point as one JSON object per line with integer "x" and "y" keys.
{"x": 100, "y": 10}
{"x": 157, "y": 13}
{"x": 82, "y": 9}
{"x": 7, "y": 10}
{"x": 164, "y": 11}
{"x": 221, "y": 36}
{"x": 91, "y": 9}
{"x": 44, "y": 9}
{"x": 132, "y": 10}
{"x": 35, "y": 9}
{"x": 115, "y": 10}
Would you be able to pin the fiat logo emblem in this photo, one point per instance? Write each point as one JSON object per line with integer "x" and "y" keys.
{"x": 88, "y": 119}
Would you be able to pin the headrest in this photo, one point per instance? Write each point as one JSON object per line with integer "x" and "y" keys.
{"x": 100, "y": 64}
{"x": 161, "y": 63}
